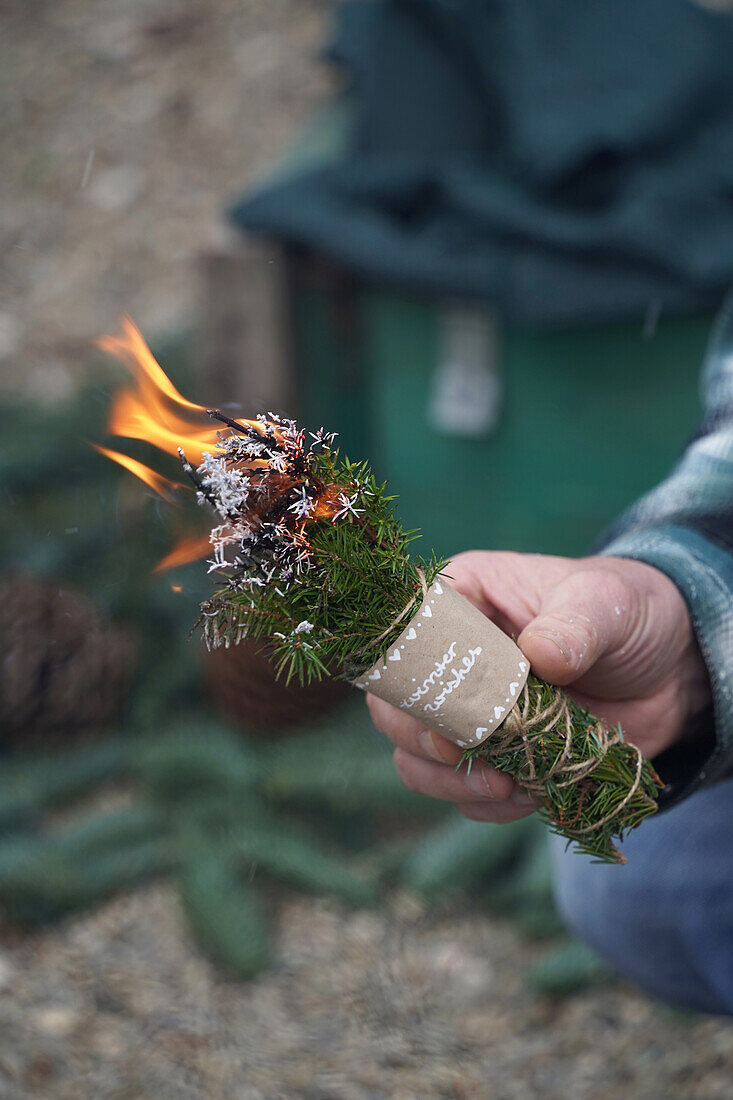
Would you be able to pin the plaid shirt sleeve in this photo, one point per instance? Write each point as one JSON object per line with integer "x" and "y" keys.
{"x": 684, "y": 527}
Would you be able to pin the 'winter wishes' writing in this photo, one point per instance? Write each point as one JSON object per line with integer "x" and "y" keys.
{"x": 457, "y": 676}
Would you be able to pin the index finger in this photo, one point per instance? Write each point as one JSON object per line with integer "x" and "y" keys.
{"x": 407, "y": 733}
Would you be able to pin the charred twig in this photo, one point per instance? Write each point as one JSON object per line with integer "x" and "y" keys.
{"x": 242, "y": 429}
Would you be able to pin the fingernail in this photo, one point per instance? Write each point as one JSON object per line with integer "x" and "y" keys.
{"x": 429, "y": 747}
{"x": 477, "y": 782}
{"x": 557, "y": 640}
{"x": 524, "y": 801}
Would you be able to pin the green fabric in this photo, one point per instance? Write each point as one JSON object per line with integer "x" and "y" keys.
{"x": 564, "y": 160}
{"x": 548, "y": 480}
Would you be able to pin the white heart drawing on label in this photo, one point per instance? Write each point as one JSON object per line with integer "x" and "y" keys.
{"x": 427, "y": 613}
{"x": 522, "y": 666}
{"x": 376, "y": 675}
{"x": 437, "y": 589}
{"x": 498, "y": 711}
{"x": 395, "y": 656}
{"x": 481, "y": 729}
{"x": 411, "y": 633}
{"x": 513, "y": 688}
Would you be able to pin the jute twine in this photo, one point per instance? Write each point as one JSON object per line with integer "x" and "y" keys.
{"x": 529, "y": 721}
{"x": 414, "y": 602}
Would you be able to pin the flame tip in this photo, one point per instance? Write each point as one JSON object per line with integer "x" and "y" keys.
{"x": 163, "y": 486}
{"x": 153, "y": 409}
{"x": 188, "y": 548}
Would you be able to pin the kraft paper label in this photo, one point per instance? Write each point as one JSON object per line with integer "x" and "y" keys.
{"x": 451, "y": 668}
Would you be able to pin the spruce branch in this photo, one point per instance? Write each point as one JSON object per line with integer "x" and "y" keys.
{"x": 313, "y": 563}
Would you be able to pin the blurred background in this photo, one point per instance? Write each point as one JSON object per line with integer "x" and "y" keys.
{"x": 484, "y": 243}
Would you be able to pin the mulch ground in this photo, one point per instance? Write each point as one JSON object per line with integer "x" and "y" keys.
{"x": 401, "y": 1004}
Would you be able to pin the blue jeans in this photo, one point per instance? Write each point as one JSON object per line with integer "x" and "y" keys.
{"x": 665, "y": 920}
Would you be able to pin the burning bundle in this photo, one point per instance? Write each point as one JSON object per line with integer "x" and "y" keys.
{"x": 312, "y": 563}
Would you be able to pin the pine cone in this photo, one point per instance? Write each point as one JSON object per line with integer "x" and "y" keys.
{"x": 244, "y": 689}
{"x": 64, "y": 669}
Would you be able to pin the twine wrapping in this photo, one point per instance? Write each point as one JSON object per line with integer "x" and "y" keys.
{"x": 529, "y": 721}
{"x": 415, "y": 601}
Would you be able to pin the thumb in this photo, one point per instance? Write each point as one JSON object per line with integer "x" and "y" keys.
{"x": 582, "y": 619}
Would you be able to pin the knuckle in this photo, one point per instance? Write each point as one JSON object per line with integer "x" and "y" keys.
{"x": 467, "y": 558}
{"x": 607, "y": 581}
{"x": 489, "y": 565}
{"x": 584, "y": 632}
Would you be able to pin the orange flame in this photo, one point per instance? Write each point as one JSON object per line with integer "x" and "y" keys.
{"x": 189, "y": 548}
{"x": 163, "y": 486}
{"x": 328, "y": 502}
{"x": 154, "y": 410}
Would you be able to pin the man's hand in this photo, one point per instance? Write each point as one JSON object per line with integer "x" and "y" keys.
{"x": 616, "y": 632}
